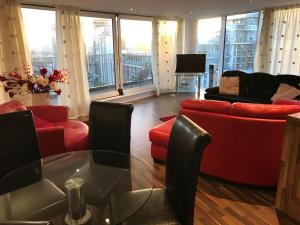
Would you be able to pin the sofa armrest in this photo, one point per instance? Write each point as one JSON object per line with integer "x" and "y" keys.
{"x": 212, "y": 90}
{"x": 51, "y": 140}
{"x": 50, "y": 113}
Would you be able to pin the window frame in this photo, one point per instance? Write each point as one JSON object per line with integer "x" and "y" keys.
{"x": 225, "y": 23}
{"x": 98, "y": 92}
{"x": 38, "y": 7}
{"x": 220, "y": 66}
{"x": 138, "y": 18}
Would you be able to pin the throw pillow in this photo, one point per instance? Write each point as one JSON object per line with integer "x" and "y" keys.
{"x": 285, "y": 91}
{"x": 229, "y": 85}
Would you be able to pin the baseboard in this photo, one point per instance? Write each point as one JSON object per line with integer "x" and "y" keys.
{"x": 130, "y": 97}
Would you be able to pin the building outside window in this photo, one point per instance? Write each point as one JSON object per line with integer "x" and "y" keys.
{"x": 209, "y": 43}
{"x": 233, "y": 49}
{"x": 136, "y": 56}
{"x": 240, "y": 41}
{"x": 99, "y": 52}
{"x": 40, "y": 29}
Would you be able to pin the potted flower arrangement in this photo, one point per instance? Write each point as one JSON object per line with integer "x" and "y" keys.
{"x": 17, "y": 84}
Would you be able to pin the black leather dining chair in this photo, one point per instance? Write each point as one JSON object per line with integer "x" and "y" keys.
{"x": 19, "y": 146}
{"x": 175, "y": 204}
{"x": 109, "y": 126}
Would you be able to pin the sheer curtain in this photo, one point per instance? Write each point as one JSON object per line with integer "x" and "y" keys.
{"x": 167, "y": 38}
{"x": 75, "y": 93}
{"x": 278, "y": 46}
{"x": 13, "y": 49}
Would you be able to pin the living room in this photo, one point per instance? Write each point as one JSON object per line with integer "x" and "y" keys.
{"x": 59, "y": 56}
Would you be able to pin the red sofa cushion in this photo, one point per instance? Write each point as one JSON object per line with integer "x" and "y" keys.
{"x": 286, "y": 102}
{"x": 75, "y": 137}
{"x": 11, "y": 106}
{"x": 41, "y": 123}
{"x": 207, "y": 105}
{"x": 160, "y": 134}
{"x": 263, "y": 111}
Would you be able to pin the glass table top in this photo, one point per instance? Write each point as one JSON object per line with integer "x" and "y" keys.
{"x": 37, "y": 190}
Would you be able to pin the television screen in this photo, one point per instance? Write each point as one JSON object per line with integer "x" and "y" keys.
{"x": 190, "y": 63}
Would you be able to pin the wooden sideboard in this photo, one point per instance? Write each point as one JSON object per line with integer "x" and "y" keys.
{"x": 288, "y": 191}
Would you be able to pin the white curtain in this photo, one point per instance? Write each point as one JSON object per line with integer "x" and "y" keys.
{"x": 13, "y": 49}
{"x": 167, "y": 38}
{"x": 278, "y": 46}
{"x": 75, "y": 93}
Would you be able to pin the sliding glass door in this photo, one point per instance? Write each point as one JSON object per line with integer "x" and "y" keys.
{"x": 99, "y": 52}
{"x": 135, "y": 46}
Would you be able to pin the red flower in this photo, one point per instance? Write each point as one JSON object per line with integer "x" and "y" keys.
{"x": 11, "y": 94}
{"x": 58, "y": 92}
{"x": 43, "y": 71}
{"x": 15, "y": 75}
{"x": 56, "y": 72}
{"x": 6, "y": 89}
{"x": 2, "y": 78}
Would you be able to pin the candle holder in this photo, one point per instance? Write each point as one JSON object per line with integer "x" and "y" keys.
{"x": 77, "y": 212}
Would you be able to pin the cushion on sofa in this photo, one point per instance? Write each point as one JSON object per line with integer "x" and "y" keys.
{"x": 229, "y": 85}
{"x": 75, "y": 134}
{"x": 160, "y": 134}
{"x": 286, "y": 102}
{"x": 41, "y": 123}
{"x": 11, "y": 106}
{"x": 206, "y": 105}
{"x": 285, "y": 91}
{"x": 263, "y": 111}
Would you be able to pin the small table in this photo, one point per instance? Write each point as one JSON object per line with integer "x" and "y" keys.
{"x": 198, "y": 75}
{"x": 108, "y": 176}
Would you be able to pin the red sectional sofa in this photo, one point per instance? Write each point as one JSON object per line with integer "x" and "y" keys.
{"x": 246, "y": 139}
{"x": 56, "y": 133}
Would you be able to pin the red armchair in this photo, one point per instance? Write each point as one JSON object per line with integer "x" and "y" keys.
{"x": 56, "y": 134}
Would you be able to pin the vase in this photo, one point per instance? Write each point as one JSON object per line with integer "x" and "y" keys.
{"x": 41, "y": 99}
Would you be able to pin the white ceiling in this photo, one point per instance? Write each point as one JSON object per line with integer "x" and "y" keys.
{"x": 171, "y": 8}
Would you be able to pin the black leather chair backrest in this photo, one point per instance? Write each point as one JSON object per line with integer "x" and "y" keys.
{"x": 110, "y": 126}
{"x": 25, "y": 223}
{"x": 185, "y": 149}
{"x": 18, "y": 138}
{"x": 19, "y": 149}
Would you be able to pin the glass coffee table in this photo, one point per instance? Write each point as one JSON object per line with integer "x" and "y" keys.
{"x": 81, "y": 187}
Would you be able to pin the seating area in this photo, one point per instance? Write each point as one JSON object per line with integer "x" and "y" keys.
{"x": 247, "y": 139}
{"x": 56, "y": 133}
{"x": 149, "y": 112}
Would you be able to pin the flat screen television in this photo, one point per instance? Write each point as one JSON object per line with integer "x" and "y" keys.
{"x": 190, "y": 63}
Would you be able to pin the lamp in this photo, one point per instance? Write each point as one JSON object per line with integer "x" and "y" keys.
{"x": 190, "y": 63}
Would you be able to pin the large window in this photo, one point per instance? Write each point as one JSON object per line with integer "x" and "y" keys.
{"x": 41, "y": 37}
{"x": 209, "y": 43}
{"x": 229, "y": 42}
{"x": 99, "y": 52}
{"x": 136, "y": 41}
{"x": 240, "y": 41}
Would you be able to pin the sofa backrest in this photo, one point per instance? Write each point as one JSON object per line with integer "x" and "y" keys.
{"x": 261, "y": 85}
{"x": 263, "y": 111}
{"x": 247, "y": 110}
{"x": 258, "y": 85}
{"x": 221, "y": 107}
{"x": 11, "y": 106}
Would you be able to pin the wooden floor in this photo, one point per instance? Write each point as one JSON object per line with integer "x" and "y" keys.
{"x": 217, "y": 202}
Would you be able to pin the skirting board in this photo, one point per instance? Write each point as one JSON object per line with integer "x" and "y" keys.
{"x": 130, "y": 97}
